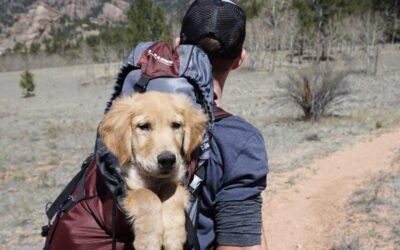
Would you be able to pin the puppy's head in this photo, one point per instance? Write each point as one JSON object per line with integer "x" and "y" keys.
{"x": 155, "y": 132}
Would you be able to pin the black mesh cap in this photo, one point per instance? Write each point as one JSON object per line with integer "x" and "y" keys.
{"x": 223, "y": 20}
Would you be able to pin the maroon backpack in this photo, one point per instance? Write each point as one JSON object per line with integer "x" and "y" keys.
{"x": 88, "y": 214}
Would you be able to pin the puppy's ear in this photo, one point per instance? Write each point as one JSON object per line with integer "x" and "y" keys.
{"x": 116, "y": 129}
{"x": 195, "y": 125}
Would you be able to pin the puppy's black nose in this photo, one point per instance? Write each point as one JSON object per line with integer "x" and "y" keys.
{"x": 166, "y": 160}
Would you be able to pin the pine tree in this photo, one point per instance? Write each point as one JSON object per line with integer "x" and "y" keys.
{"x": 252, "y": 8}
{"x": 27, "y": 83}
{"x": 146, "y": 23}
{"x": 34, "y": 48}
{"x": 315, "y": 16}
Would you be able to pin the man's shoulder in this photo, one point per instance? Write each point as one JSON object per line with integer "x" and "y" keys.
{"x": 238, "y": 152}
{"x": 234, "y": 134}
{"x": 236, "y": 126}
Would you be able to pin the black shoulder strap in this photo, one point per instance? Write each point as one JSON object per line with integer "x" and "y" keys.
{"x": 200, "y": 173}
{"x": 64, "y": 200}
{"x": 220, "y": 113}
{"x": 194, "y": 187}
{"x": 192, "y": 242}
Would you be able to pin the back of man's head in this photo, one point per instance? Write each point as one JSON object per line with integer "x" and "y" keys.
{"x": 218, "y": 27}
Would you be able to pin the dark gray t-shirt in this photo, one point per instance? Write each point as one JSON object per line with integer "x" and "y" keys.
{"x": 230, "y": 207}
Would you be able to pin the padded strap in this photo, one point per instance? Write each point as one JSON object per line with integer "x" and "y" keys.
{"x": 192, "y": 242}
{"x": 63, "y": 201}
{"x": 141, "y": 85}
{"x": 220, "y": 113}
{"x": 197, "y": 176}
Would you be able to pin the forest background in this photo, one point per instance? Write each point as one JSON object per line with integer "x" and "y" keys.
{"x": 304, "y": 30}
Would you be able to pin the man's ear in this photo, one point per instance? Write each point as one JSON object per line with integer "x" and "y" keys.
{"x": 177, "y": 41}
{"x": 239, "y": 60}
{"x": 116, "y": 130}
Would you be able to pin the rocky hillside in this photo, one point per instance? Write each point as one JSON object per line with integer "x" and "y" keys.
{"x": 31, "y": 21}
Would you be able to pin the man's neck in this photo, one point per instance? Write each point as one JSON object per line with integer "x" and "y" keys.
{"x": 219, "y": 82}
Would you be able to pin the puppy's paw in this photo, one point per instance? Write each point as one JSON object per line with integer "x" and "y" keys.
{"x": 147, "y": 243}
{"x": 144, "y": 209}
{"x": 173, "y": 213}
{"x": 174, "y": 241}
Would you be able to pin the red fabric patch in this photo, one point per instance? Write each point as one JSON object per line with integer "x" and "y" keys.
{"x": 159, "y": 60}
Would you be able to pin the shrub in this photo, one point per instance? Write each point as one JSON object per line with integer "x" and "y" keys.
{"x": 352, "y": 244}
{"x": 27, "y": 83}
{"x": 34, "y": 48}
{"x": 315, "y": 91}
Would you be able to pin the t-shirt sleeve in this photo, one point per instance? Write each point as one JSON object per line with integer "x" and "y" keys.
{"x": 245, "y": 170}
{"x": 238, "y": 201}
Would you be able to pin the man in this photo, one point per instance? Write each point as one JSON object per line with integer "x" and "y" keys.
{"x": 230, "y": 209}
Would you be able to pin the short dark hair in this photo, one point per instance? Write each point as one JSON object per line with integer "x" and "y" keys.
{"x": 209, "y": 45}
{"x": 217, "y": 26}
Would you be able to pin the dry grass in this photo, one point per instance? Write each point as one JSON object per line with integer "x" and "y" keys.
{"x": 348, "y": 244}
{"x": 54, "y": 131}
{"x": 373, "y": 214}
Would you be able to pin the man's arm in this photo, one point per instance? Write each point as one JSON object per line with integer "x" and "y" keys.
{"x": 239, "y": 248}
{"x": 263, "y": 245}
{"x": 238, "y": 213}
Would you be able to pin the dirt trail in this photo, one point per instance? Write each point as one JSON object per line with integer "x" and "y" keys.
{"x": 309, "y": 204}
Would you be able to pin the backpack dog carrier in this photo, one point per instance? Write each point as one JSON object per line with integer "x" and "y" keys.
{"x": 151, "y": 66}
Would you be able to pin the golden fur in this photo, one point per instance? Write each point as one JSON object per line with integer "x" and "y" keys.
{"x": 139, "y": 130}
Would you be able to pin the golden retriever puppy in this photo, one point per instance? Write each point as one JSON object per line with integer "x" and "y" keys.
{"x": 153, "y": 136}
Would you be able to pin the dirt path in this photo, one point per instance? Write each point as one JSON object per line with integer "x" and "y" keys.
{"x": 308, "y": 204}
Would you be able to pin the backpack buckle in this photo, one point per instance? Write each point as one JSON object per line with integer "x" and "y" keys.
{"x": 45, "y": 230}
{"x": 196, "y": 181}
{"x": 141, "y": 84}
{"x": 68, "y": 204}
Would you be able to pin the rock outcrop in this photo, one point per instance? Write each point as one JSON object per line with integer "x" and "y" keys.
{"x": 111, "y": 14}
{"x": 35, "y": 24}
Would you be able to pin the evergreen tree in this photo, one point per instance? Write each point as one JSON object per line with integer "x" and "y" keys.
{"x": 252, "y": 8}
{"x": 145, "y": 23}
{"x": 19, "y": 48}
{"x": 34, "y": 48}
{"x": 27, "y": 83}
{"x": 315, "y": 15}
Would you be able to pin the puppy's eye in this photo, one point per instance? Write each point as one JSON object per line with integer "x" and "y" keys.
{"x": 176, "y": 125}
{"x": 144, "y": 126}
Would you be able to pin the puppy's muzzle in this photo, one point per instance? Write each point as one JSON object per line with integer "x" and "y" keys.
{"x": 166, "y": 161}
